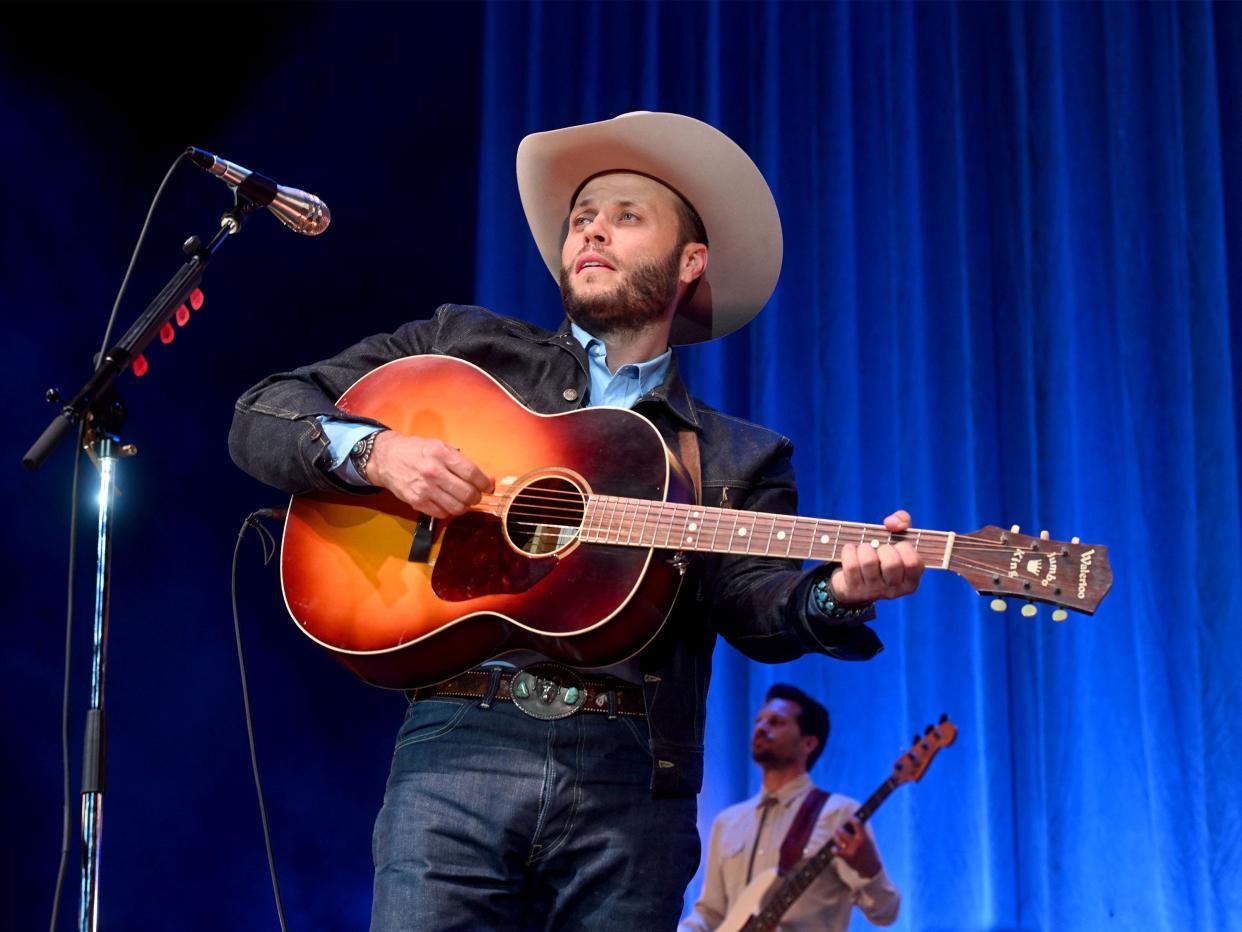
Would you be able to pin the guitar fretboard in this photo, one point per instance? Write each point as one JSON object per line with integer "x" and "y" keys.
{"x": 637, "y": 522}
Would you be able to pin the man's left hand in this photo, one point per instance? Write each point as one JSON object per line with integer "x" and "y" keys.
{"x": 855, "y": 848}
{"x": 868, "y": 574}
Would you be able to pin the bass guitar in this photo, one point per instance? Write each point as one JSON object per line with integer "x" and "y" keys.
{"x": 579, "y": 552}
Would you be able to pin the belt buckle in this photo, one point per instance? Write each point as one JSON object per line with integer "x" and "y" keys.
{"x": 547, "y": 691}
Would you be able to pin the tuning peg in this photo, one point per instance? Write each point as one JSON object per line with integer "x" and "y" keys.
{"x": 1060, "y": 615}
{"x": 944, "y": 717}
{"x": 1073, "y": 540}
{"x": 1015, "y": 529}
{"x": 998, "y": 605}
{"x": 929, "y": 729}
{"x": 1029, "y": 610}
{"x": 1043, "y": 535}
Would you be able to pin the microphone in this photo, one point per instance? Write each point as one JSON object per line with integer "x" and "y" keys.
{"x": 301, "y": 212}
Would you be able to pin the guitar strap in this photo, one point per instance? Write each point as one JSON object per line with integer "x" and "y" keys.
{"x": 688, "y": 441}
{"x": 800, "y": 832}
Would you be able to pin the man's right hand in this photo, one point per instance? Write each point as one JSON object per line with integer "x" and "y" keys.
{"x": 428, "y": 475}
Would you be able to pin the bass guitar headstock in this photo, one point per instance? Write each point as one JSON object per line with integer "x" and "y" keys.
{"x": 1001, "y": 563}
{"x": 911, "y": 766}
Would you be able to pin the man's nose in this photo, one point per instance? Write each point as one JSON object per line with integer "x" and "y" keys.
{"x": 596, "y": 231}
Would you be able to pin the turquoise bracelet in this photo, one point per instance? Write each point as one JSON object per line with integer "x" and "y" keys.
{"x": 826, "y": 601}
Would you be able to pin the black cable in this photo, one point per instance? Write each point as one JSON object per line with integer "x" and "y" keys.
{"x": 67, "y": 815}
{"x": 73, "y": 546}
{"x": 133, "y": 259}
{"x": 269, "y": 550}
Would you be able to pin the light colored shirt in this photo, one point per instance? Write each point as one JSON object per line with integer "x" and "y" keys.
{"x": 826, "y": 904}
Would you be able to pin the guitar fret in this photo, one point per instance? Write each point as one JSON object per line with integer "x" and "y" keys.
{"x": 691, "y": 527}
{"x": 587, "y": 514}
{"x": 608, "y": 535}
{"x": 836, "y": 543}
{"x": 948, "y": 550}
{"x": 629, "y": 533}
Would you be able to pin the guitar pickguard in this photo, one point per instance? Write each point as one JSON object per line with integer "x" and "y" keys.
{"x": 475, "y": 560}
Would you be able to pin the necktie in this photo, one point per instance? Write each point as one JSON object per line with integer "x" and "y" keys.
{"x": 765, "y": 805}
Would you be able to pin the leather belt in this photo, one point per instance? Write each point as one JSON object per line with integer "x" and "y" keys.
{"x": 543, "y": 690}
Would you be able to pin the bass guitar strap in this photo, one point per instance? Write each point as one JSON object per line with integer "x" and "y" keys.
{"x": 800, "y": 832}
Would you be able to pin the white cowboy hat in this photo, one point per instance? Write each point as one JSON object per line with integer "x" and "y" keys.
{"x": 700, "y": 163}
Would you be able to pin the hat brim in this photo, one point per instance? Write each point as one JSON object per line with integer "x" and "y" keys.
{"x": 702, "y": 164}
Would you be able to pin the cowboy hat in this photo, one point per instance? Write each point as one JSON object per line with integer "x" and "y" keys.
{"x": 707, "y": 168}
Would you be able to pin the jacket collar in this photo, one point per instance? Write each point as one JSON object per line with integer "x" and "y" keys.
{"x": 670, "y": 394}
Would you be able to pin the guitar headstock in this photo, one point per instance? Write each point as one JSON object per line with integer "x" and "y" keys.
{"x": 1002, "y": 563}
{"x": 911, "y": 766}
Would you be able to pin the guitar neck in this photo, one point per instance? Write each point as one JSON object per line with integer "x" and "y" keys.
{"x": 795, "y": 884}
{"x": 635, "y": 522}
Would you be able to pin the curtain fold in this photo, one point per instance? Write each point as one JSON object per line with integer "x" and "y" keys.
{"x": 1010, "y": 236}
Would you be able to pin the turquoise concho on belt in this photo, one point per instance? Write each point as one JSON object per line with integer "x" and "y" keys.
{"x": 547, "y": 691}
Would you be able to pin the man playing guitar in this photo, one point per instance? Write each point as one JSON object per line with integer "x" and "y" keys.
{"x": 527, "y": 794}
{"x": 791, "y": 730}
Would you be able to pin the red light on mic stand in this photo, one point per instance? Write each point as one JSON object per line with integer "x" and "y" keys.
{"x": 196, "y": 298}
{"x": 141, "y": 366}
{"x": 167, "y": 334}
{"x": 183, "y": 316}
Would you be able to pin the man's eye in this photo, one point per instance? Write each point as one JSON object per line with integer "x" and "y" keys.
{"x": 629, "y": 215}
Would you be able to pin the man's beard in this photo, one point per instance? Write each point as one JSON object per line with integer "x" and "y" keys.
{"x": 766, "y": 755}
{"x": 629, "y": 308}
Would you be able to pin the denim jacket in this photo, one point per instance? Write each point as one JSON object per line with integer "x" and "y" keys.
{"x": 758, "y": 604}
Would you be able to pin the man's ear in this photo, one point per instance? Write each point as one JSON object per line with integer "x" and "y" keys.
{"x": 693, "y": 262}
{"x": 810, "y": 742}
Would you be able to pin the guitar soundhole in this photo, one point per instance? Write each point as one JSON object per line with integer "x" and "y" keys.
{"x": 546, "y": 516}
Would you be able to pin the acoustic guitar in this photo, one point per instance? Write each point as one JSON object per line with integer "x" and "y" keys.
{"x": 762, "y": 903}
{"x": 580, "y": 551}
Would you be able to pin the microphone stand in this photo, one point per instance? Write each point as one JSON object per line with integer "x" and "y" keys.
{"x": 100, "y": 408}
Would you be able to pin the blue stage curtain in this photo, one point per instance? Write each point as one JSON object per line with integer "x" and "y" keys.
{"x": 1006, "y": 298}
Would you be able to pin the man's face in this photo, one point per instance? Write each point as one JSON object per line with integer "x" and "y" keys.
{"x": 622, "y": 261}
{"x": 777, "y": 740}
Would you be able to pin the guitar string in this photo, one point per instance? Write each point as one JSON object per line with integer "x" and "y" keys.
{"x": 670, "y": 512}
{"x": 555, "y": 534}
{"x": 796, "y": 538}
{"x": 796, "y": 541}
{"x": 617, "y": 535}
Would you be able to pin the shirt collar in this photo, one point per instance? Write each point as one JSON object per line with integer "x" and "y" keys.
{"x": 650, "y": 373}
{"x": 795, "y": 788}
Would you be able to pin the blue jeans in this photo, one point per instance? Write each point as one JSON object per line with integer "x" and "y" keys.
{"x": 496, "y": 820}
